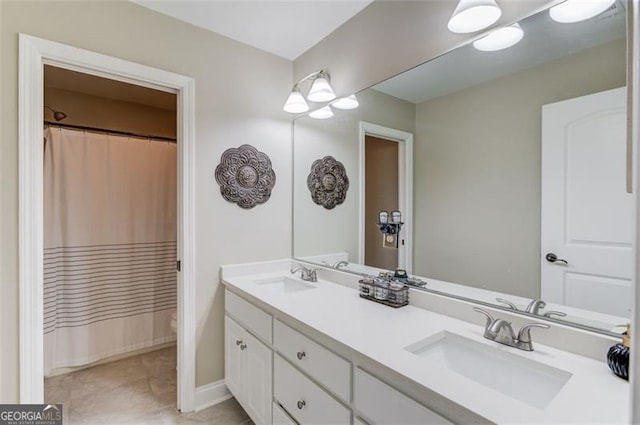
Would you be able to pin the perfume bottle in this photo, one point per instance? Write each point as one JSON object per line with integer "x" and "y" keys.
{"x": 618, "y": 356}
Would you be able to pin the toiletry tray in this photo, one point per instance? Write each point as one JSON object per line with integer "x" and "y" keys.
{"x": 388, "y": 293}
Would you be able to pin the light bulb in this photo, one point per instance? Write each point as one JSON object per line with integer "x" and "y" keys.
{"x": 322, "y": 113}
{"x": 349, "y": 102}
{"x": 500, "y": 39}
{"x": 321, "y": 90}
{"x": 474, "y": 15}
{"x": 295, "y": 103}
{"x": 578, "y": 10}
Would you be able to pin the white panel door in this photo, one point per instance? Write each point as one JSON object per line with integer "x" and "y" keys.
{"x": 587, "y": 214}
{"x": 258, "y": 384}
{"x": 233, "y": 357}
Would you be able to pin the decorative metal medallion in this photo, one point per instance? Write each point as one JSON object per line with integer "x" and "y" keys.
{"x": 328, "y": 182}
{"x": 245, "y": 176}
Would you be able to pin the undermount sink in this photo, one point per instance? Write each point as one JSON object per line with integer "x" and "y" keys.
{"x": 526, "y": 380}
{"x": 284, "y": 284}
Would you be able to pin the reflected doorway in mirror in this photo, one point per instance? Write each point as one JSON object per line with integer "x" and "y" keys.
{"x": 386, "y": 183}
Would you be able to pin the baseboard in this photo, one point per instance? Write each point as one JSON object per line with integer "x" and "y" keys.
{"x": 211, "y": 394}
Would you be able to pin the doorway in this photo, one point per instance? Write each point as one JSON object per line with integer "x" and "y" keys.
{"x": 110, "y": 276}
{"x": 34, "y": 54}
{"x": 382, "y": 189}
{"x": 391, "y": 154}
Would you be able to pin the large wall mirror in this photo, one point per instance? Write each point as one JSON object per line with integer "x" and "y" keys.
{"x": 508, "y": 167}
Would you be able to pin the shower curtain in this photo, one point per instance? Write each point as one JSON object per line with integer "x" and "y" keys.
{"x": 109, "y": 245}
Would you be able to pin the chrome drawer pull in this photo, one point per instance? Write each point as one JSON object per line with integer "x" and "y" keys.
{"x": 238, "y": 341}
{"x": 301, "y": 404}
{"x": 243, "y": 347}
{"x": 301, "y": 355}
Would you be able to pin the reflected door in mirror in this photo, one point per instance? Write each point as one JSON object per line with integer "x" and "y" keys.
{"x": 586, "y": 212}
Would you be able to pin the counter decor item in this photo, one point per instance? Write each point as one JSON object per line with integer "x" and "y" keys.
{"x": 384, "y": 291}
{"x": 245, "y": 176}
{"x": 618, "y": 356}
{"x": 328, "y": 182}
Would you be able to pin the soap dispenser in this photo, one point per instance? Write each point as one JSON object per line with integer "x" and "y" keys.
{"x": 618, "y": 356}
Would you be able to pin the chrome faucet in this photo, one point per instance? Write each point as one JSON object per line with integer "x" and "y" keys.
{"x": 499, "y": 330}
{"x": 340, "y": 264}
{"x": 309, "y": 275}
{"x": 534, "y": 307}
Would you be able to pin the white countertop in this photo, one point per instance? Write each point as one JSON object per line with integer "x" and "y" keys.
{"x": 591, "y": 395}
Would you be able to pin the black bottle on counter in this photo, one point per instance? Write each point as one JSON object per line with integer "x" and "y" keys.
{"x": 618, "y": 356}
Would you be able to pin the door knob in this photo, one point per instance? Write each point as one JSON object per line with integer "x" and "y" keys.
{"x": 553, "y": 258}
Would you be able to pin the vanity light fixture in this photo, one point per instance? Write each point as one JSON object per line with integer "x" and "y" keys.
{"x": 578, "y": 10}
{"x": 322, "y": 113}
{"x": 474, "y": 15}
{"x": 349, "y": 102}
{"x": 295, "y": 102}
{"x": 500, "y": 39}
{"x": 320, "y": 91}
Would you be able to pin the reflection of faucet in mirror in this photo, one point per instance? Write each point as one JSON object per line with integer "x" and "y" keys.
{"x": 499, "y": 330}
{"x": 534, "y": 307}
{"x": 340, "y": 264}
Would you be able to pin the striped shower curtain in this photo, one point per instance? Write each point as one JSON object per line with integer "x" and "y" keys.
{"x": 109, "y": 245}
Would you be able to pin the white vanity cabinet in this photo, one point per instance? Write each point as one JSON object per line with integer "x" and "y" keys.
{"x": 248, "y": 361}
{"x": 280, "y": 376}
{"x": 383, "y": 405}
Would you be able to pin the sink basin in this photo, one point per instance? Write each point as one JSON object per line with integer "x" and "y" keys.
{"x": 526, "y": 380}
{"x": 284, "y": 284}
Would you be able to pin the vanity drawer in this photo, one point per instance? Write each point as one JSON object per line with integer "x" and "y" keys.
{"x": 280, "y": 417}
{"x": 327, "y": 368}
{"x": 305, "y": 401}
{"x": 249, "y": 316}
{"x": 383, "y": 405}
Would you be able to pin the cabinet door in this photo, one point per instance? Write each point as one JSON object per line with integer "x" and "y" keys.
{"x": 233, "y": 357}
{"x": 258, "y": 372}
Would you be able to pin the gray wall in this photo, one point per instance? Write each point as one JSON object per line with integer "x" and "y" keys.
{"x": 233, "y": 106}
{"x": 477, "y": 171}
{"x": 93, "y": 111}
{"x": 317, "y": 230}
{"x": 389, "y": 37}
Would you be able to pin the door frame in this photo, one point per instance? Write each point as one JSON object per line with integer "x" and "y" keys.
{"x": 34, "y": 53}
{"x": 405, "y": 191}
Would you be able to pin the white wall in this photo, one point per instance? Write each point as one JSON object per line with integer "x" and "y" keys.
{"x": 239, "y": 95}
{"x": 477, "y": 162}
{"x": 318, "y": 230}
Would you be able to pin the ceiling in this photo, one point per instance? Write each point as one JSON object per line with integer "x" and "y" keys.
{"x": 544, "y": 40}
{"x": 284, "y": 28}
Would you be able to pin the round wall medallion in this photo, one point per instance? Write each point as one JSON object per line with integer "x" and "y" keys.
{"x": 245, "y": 176}
{"x": 328, "y": 182}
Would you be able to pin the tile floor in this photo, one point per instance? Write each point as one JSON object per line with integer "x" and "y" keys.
{"x": 137, "y": 390}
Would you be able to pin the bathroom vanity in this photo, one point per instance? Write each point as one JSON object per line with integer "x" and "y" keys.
{"x": 315, "y": 352}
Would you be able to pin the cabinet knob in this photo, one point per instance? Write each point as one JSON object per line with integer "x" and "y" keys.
{"x": 301, "y": 404}
{"x": 238, "y": 341}
{"x": 243, "y": 347}
{"x": 301, "y": 355}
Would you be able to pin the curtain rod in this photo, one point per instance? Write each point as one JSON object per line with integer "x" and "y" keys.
{"x": 105, "y": 130}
